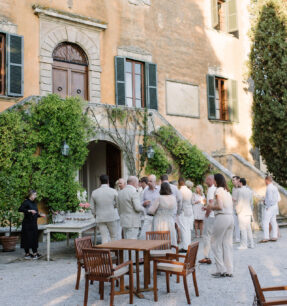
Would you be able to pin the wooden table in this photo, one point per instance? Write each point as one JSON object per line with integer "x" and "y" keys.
{"x": 135, "y": 245}
{"x": 67, "y": 228}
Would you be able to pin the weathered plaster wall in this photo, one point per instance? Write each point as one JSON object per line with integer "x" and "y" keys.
{"x": 175, "y": 35}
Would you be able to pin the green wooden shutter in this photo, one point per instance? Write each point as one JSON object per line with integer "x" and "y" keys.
{"x": 15, "y": 65}
{"x": 232, "y": 22}
{"x": 233, "y": 101}
{"x": 210, "y": 79}
{"x": 151, "y": 85}
{"x": 214, "y": 13}
{"x": 120, "y": 80}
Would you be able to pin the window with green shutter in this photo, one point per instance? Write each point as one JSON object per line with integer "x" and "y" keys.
{"x": 11, "y": 65}
{"x": 15, "y": 63}
{"x": 222, "y": 99}
{"x": 151, "y": 85}
{"x": 211, "y": 96}
{"x": 231, "y": 20}
{"x": 136, "y": 83}
{"x": 120, "y": 80}
{"x": 224, "y": 16}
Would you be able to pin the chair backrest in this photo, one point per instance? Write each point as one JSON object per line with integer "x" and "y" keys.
{"x": 98, "y": 262}
{"x": 257, "y": 287}
{"x": 190, "y": 259}
{"x": 160, "y": 235}
{"x": 82, "y": 243}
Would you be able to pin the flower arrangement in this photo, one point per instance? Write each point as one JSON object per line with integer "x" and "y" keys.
{"x": 84, "y": 207}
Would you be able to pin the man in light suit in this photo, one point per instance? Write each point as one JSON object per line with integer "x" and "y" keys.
{"x": 244, "y": 213}
{"x": 272, "y": 198}
{"x": 130, "y": 209}
{"x": 103, "y": 205}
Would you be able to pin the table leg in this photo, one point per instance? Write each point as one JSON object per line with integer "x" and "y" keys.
{"x": 146, "y": 269}
{"x": 68, "y": 239}
{"x": 48, "y": 245}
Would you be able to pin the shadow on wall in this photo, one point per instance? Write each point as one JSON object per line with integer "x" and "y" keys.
{"x": 237, "y": 144}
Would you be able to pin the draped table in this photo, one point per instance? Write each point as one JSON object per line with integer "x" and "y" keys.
{"x": 69, "y": 227}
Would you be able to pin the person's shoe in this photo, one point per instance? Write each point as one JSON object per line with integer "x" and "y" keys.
{"x": 205, "y": 261}
{"x": 273, "y": 239}
{"x": 182, "y": 251}
{"x": 28, "y": 256}
{"x": 263, "y": 241}
{"x": 242, "y": 248}
{"x": 236, "y": 241}
{"x": 36, "y": 256}
{"x": 218, "y": 274}
{"x": 228, "y": 275}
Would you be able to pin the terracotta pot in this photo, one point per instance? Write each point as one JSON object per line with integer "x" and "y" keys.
{"x": 9, "y": 243}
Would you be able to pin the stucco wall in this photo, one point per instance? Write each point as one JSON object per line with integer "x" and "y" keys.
{"x": 177, "y": 36}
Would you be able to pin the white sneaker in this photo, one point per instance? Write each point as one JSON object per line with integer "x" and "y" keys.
{"x": 242, "y": 248}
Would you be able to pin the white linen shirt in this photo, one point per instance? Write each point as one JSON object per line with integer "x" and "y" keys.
{"x": 210, "y": 196}
{"x": 271, "y": 196}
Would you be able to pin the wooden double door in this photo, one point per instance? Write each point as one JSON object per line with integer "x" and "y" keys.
{"x": 70, "y": 79}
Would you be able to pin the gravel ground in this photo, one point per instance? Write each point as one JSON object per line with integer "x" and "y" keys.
{"x": 52, "y": 283}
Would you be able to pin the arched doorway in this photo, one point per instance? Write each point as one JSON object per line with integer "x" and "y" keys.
{"x": 70, "y": 71}
{"x": 104, "y": 158}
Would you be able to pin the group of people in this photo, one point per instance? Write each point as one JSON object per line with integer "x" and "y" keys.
{"x": 135, "y": 207}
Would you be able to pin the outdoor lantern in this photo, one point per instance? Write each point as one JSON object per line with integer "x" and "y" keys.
{"x": 65, "y": 149}
{"x": 141, "y": 149}
{"x": 150, "y": 152}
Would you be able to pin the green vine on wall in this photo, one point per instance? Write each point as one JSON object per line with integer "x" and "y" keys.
{"x": 192, "y": 163}
{"x": 31, "y": 140}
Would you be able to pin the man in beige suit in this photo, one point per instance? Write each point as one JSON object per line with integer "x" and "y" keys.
{"x": 103, "y": 205}
{"x": 130, "y": 209}
{"x": 244, "y": 213}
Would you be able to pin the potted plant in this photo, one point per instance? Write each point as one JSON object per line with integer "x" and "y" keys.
{"x": 9, "y": 217}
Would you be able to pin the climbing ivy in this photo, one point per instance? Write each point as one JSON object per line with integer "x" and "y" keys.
{"x": 31, "y": 140}
{"x": 159, "y": 164}
{"x": 192, "y": 163}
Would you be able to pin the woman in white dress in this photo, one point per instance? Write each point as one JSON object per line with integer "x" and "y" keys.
{"x": 163, "y": 210}
{"x": 198, "y": 201}
{"x": 221, "y": 240}
{"x": 187, "y": 215}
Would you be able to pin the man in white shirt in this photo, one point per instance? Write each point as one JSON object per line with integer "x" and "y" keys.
{"x": 209, "y": 220}
{"x": 103, "y": 205}
{"x": 235, "y": 189}
{"x": 270, "y": 202}
{"x": 244, "y": 213}
{"x": 150, "y": 194}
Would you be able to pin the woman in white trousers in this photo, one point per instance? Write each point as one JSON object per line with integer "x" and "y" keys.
{"x": 221, "y": 239}
{"x": 186, "y": 217}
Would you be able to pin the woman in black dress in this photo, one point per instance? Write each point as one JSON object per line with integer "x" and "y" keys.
{"x": 29, "y": 233}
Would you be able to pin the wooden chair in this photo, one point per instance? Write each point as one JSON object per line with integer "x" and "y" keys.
{"x": 260, "y": 299}
{"x": 80, "y": 244}
{"x": 99, "y": 267}
{"x": 163, "y": 250}
{"x": 169, "y": 266}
